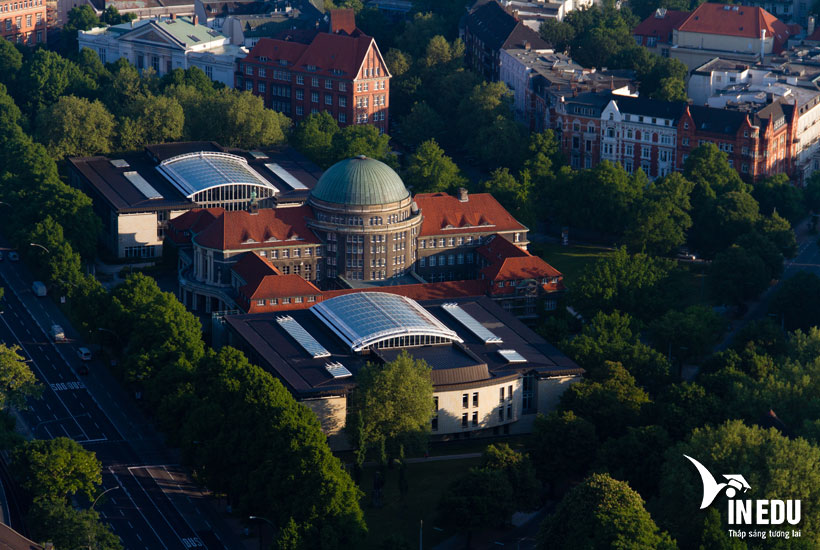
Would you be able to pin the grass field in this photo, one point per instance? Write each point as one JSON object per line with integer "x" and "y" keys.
{"x": 569, "y": 260}
{"x": 401, "y": 516}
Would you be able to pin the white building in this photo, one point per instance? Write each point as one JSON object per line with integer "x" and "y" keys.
{"x": 166, "y": 44}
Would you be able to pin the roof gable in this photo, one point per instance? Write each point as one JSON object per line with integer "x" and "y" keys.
{"x": 445, "y": 214}
{"x": 239, "y": 229}
{"x": 729, "y": 20}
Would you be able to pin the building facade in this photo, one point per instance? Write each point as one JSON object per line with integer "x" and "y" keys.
{"x": 491, "y": 374}
{"x": 166, "y": 44}
{"x": 339, "y": 73}
{"x": 23, "y": 22}
{"x": 487, "y": 30}
{"x": 360, "y": 229}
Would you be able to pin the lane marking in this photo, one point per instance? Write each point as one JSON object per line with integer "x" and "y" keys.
{"x": 116, "y": 477}
{"x": 151, "y": 500}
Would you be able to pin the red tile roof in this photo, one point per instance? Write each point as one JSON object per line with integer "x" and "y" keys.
{"x": 343, "y": 20}
{"x": 661, "y": 26}
{"x": 239, "y": 229}
{"x": 481, "y": 213}
{"x": 263, "y": 281}
{"x": 745, "y": 21}
{"x": 283, "y": 286}
{"x": 252, "y": 268}
{"x": 331, "y": 54}
{"x": 194, "y": 221}
{"x": 510, "y": 263}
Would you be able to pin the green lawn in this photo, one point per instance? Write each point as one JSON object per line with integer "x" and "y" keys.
{"x": 569, "y": 260}
{"x": 400, "y": 517}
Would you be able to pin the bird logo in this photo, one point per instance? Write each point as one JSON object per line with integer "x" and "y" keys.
{"x": 711, "y": 488}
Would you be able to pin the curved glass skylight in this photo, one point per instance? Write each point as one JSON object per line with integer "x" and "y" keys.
{"x": 195, "y": 172}
{"x": 379, "y": 319}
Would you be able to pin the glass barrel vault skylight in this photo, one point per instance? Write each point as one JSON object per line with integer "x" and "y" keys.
{"x": 379, "y": 319}
{"x": 213, "y": 179}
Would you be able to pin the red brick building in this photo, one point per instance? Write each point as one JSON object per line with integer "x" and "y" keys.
{"x": 341, "y": 72}
{"x": 23, "y": 21}
{"x": 759, "y": 143}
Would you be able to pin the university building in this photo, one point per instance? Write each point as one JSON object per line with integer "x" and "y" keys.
{"x": 341, "y": 72}
{"x": 491, "y": 374}
{"x": 359, "y": 229}
{"x": 23, "y": 21}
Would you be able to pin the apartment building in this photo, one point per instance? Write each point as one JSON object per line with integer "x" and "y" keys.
{"x": 23, "y": 21}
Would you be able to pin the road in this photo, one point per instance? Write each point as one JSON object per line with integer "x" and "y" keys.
{"x": 155, "y": 504}
{"x": 807, "y": 259}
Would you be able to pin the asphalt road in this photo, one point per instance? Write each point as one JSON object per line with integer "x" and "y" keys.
{"x": 153, "y": 504}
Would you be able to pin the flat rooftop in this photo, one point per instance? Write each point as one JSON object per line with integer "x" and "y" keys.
{"x": 132, "y": 182}
{"x": 470, "y": 363}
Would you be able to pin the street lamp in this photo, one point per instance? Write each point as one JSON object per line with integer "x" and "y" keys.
{"x": 266, "y": 520}
{"x": 101, "y": 494}
{"x": 40, "y": 246}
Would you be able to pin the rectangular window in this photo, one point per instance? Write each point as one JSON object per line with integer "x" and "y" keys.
{"x": 475, "y": 399}
{"x": 314, "y": 97}
{"x": 300, "y": 110}
{"x": 249, "y": 70}
{"x": 261, "y": 87}
{"x": 646, "y": 152}
{"x": 342, "y": 101}
{"x": 501, "y": 394}
{"x": 501, "y": 413}
{"x": 465, "y": 400}
{"x": 464, "y": 420}
{"x": 300, "y": 79}
{"x": 509, "y": 412}
{"x": 475, "y": 418}
{"x": 260, "y": 302}
{"x": 300, "y": 95}
{"x": 314, "y": 81}
{"x": 328, "y": 99}
{"x": 509, "y": 393}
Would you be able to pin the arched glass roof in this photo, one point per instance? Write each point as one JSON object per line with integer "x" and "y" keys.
{"x": 362, "y": 319}
{"x": 195, "y": 172}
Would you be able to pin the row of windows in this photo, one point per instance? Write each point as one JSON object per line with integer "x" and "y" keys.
{"x": 454, "y": 241}
{"x": 18, "y": 22}
{"x": 294, "y": 299}
{"x": 442, "y": 259}
{"x": 286, "y": 253}
{"x": 14, "y": 6}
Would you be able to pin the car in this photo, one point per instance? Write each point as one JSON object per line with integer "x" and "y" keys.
{"x": 14, "y": 256}
{"x": 57, "y": 333}
{"x": 84, "y": 354}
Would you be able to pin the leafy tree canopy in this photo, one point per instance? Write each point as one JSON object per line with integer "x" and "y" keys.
{"x": 56, "y": 469}
{"x": 429, "y": 170}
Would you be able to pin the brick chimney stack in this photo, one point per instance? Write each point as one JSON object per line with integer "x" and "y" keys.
{"x": 462, "y": 194}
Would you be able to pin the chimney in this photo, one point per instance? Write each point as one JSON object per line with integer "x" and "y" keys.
{"x": 194, "y": 19}
{"x": 810, "y": 30}
{"x": 173, "y": 16}
{"x": 462, "y": 194}
{"x": 527, "y": 45}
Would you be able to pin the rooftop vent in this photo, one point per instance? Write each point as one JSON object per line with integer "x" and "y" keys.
{"x": 119, "y": 163}
{"x": 512, "y": 356}
{"x": 337, "y": 370}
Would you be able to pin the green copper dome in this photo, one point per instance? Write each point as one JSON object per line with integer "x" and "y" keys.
{"x": 360, "y": 181}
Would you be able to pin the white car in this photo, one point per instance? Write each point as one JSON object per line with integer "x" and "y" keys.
{"x": 57, "y": 333}
{"x": 84, "y": 354}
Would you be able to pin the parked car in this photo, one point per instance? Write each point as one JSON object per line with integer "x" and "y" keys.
{"x": 684, "y": 254}
{"x": 14, "y": 256}
{"x": 57, "y": 333}
{"x": 84, "y": 354}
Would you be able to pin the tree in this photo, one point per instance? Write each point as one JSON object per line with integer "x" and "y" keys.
{"x": 601, "y": 514}
{"x": 160, "y": 119}
{"x": 397, "y": 61}
{"x": 714, "y": 535}
{"x": 80, "y": 18}
{"x": 16, "y": 378}
{"x": 75, "y": 127}
{"x": 697, "y": 329}
{"x": 635, "y": 284}
{"x": 112, "y": 16}
{"x": 737, "y": 275}
{"x": 612, "y": 404}
{"x": 11, "y": 61}
{"x": 59, "y": 267}
{"x": 670, "y": 89}
{"x": 56, "y": 469}
{"x": 684, "y": 406}
{"x": 313, "y": 136}
{"x": 245, "y": 435}
{"x": 362, "y": 139}
{"x": 615, "y": 337}
{"x": 779, "y": 231}
{"x": 519, "y": 471}
{"x": 430, "y": 170}
{"x": 662, "y": 218}
{"x": 420, "y": 125}
{"x": 797, "y": 301}
{"x": 486, "y": 128}
{"x": 418, "y": 32}
{"x": 636, "y": 457}
{"x": 67, "y": 527}
{"x": 562, "y": 446}
{"x": 544, "y": 159}
{"x": 46, "y": 77}
{"x": 778, "y": 194}
{"x": 760, "y": 245}
{"x": 479, "y": 499}
{"x": 513, "y": 194}
{"x": 557, "y": 33}
{"x": 774, "y": 465}
{"x": 392, "y": 403}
